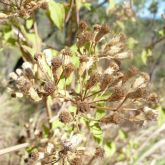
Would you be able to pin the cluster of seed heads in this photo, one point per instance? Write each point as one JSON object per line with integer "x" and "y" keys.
{"x": 87, "y": 86}
{"x": 21, "y": 8}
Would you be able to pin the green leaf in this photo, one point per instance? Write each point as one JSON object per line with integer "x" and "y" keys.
{"x": 57, "y": 13}
{"x": 29, "y": 23}
{"x": 131, "y": 43}
{"x": 161, "y": 118}
{"x": 110, "y": 148}
{"x": 96, "y": 131}
{"x": 145, "y": 54}
{"x": 100, "y": 114}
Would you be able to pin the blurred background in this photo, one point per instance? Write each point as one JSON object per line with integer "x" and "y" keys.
{"x": 143, "y": 22}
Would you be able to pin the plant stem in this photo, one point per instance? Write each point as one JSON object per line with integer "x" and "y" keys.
{"x": 48, "y": 110}
{"x": 13, "y": 148}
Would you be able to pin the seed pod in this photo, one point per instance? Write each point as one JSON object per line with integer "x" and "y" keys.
{"x": 84, "y": 38}
{"x": 118, "y": 94}
{"x": 103, "y": 30}
{"x": 107, "y": 79}
{"x": 29, "y": 73}
{"x": 76, "y": 161}
{"x": 65, "y": 117}
{"x": 84, "y": 59}
{"x": 117, "y": 78}
{"x": 138, "y": 93}
{"x": 153, "y": 97}
{"x": 23, "y": 84}
{"x": 69, "y": 68}
{"x": 99, "y": 152}
{"x": 49, "y": 88}
{"x": 83, "y": 25}
{"x": 44, "y": 5}
{"x": 97, "y": 28}
{"x": 115, "y": 118}
{"x": 56, "y": 63}
{"x": 131, "y": 72}
{"x": 114, "y": 65}
{"x": 66, "y": 52}
{"x": 94, "y": 78}
{"x": 83, "y": 107}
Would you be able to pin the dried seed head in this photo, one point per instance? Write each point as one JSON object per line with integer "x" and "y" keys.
{"x": 37, "y": 56}
{"x": 150, "y": 115}
{"x": 65, "y": 117}
{"x": 56, "y": 105}
{"x": 114, "y": 65}
{"x": 94, "y": 78}
{"x": 103, "y": 30}
{"x": 84, "y": 59}
{"x": 56, "y": 63}
{"x": 138, "y": 93}
{"x": 146, "y": 76}
{"x": 117, "y": 94}
{"x": 84, "y": 38}
{"x": 97, "y": 28}
{"x": 153, "y": 97}
{"x": 83, "y": 107}
{"x": 117, "y": 78}
{"x": 49, "y": 88}
{"x": 44, "y": 5}
{"x": 29, "y": 73}
{"x": 34, "y": 155}
{"x": 23, "y": 84}
{"x": 115, "y": 118}
{"x": 106, "y": 80}
{"x": 66, "y": 52}
{"x": 99, "y": 152}
{"x": 106, "y": 119}
{"x": 83, "y": 25}
{"x": 76, "y": 161}
{"x": 68, "y": 69}
{"x": 131, "y": 72}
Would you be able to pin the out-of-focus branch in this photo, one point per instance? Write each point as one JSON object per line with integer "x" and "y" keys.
{"x": 13, "y": 148}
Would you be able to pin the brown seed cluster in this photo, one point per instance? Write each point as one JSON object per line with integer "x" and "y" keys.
{"x": 23, "y": 8}
{"x": 65, "y": 117}
{"x": 86, "y": 87}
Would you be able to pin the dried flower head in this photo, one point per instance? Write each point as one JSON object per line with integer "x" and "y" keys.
{"x": 65, "y": 117}
{"x": 56, "y": 63}
{"x": 94, "y": 78}
{"x": 83, "y": 107}
{"x": 118, "y": 94}
{"x": 99, "y": 152}
{"x": 103, "y": 30}
{"x": 76, "y": 161}
{"x": 49, "y": 88}
{"x": 83, "y": 25}
{"x": 68, "y": 69}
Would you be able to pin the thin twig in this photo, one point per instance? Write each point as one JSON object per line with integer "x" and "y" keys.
{"x": 13, "y": 148}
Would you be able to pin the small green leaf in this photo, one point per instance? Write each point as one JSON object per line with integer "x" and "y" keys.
{"x": 57, "y": 13}
{"x": 110, "y": 148}
{"x": 96, "y": 131}
{"x": 29, "y": 23}
{"x": 100, "y": 114}
{"x": 145, "y": 54}
{"x": 161, "y": 118}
